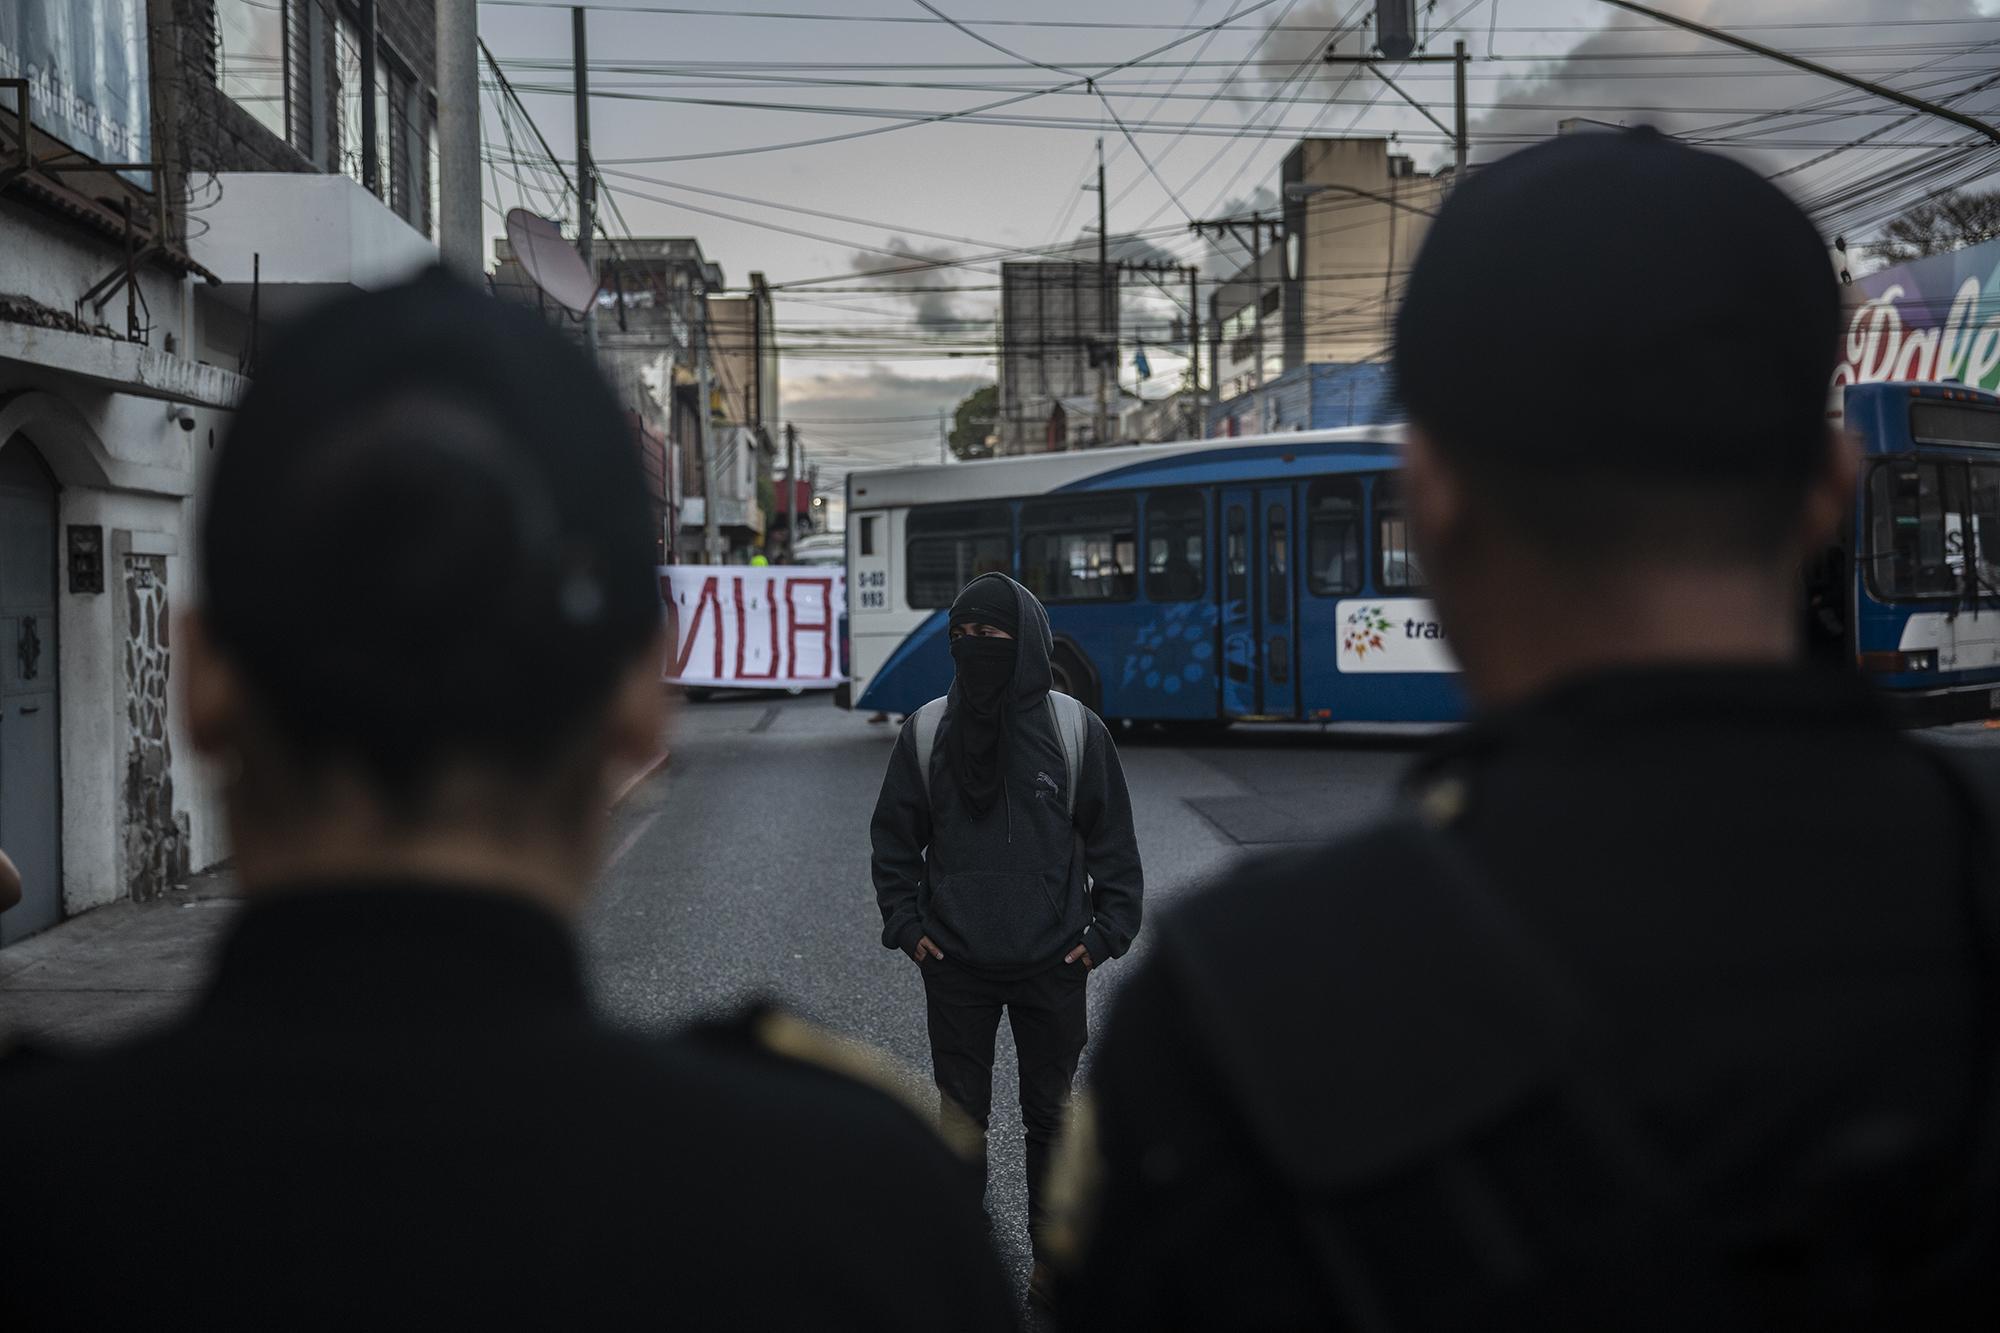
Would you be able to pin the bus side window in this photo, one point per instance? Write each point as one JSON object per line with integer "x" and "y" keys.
{"x": 946, "y": 545}
{"x": 1174, "y": 541}
{"x": 1398, "y": 571}
{"x": 1081, "y": 549}
{"x": 1333, "y": 538}
{"x": 868, "y": 534}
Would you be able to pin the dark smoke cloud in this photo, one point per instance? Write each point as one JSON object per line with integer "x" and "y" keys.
{"x": 936, "y": 308}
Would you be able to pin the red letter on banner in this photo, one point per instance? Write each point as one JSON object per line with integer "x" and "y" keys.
{"x": 824, "y": 626}
{"x": 706, "y": 600}
{"x": 743, "y": 634}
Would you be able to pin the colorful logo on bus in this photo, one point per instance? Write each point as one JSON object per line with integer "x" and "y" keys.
{"x": 1365, "y": 627}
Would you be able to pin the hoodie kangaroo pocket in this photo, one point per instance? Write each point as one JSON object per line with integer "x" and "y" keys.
{"x": 1002, "y": 917}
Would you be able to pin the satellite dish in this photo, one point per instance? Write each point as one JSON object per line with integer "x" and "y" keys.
{"x": 550, "y": 261}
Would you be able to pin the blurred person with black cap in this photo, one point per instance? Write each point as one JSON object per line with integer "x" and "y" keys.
{"x": 1006, "y": 867}
{"x": 428, "y": 636}
{"x": 1667, "y": 999}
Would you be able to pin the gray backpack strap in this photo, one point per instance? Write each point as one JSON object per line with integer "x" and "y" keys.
{"x": 1069, "y": 726}
{"x": 927, "y": 720}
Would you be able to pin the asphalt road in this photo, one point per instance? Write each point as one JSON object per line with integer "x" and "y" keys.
{"x": 743, "y": 870}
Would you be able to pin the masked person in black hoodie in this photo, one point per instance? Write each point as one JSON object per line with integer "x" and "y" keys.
{"x": 1006, "y": 866}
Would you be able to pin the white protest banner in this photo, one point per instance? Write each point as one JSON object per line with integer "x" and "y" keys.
{"x": 754, "y": 627}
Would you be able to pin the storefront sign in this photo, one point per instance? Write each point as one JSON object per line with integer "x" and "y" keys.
{"x": 754, "y": 627}
{"x": 1935, "y": 319}
{"x": 85, "y": 62}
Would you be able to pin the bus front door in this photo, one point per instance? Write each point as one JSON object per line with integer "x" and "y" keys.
{"x": 1277, "y": 645}
{"x": 1259, "y": 603}
{"x": 1238, "y": 613}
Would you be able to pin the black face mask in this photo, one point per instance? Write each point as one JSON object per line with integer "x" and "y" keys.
{"x": 985, "y": 669}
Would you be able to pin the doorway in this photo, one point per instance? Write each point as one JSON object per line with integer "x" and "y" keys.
{"x": 30, "y": 808}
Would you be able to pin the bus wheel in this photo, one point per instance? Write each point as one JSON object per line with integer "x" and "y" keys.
{"x": 1073, "y": 676}
{"x": 694, "y": 694}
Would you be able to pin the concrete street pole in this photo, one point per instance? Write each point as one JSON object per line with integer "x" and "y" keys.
{"x": 1106, "y": 293}
{"x": 458, "y": 224}
{"x": 586, "y": 175}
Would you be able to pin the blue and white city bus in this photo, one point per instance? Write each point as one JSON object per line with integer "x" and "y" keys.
{"x": 1266, "y": 578}
{"x": 1919, "y": 568}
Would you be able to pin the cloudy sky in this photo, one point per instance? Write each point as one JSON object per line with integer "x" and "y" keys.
{"x": 844, "y": 147}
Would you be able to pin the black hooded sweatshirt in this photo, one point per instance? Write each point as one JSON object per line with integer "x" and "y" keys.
{"x": 1011, "y": 891}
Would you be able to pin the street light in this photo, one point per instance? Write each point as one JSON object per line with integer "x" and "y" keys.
{"x": 1306, "y": 190}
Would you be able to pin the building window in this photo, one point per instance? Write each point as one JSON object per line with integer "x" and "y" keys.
{"x": 1175, "y": 543}
{"x": 1333, "y": 538}
{"x": 250, "y": 58}
{"x": 1080, "y": 550}
{"x": 1399, "y": 571}
{"x": 947, "y": 546}
{"x": 349, "y": 82}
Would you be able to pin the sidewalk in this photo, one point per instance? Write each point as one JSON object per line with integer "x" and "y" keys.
{"x": 115, "y": 970}
{"x": 119, "y": 969}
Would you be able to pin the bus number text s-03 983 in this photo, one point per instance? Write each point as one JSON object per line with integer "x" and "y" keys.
{"x": 871, "y": 589}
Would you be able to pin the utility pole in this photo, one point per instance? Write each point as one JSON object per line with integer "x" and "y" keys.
{"x": 791, "y": 487}
{"x": 458, "y": 221}
{"x": 711, "y": 528}
{"x": 1459, "y": 59}
{"x": 1257, "y": 223}
{"x": 1200, "y": 422}
{"x": 1107, "y": 350}
{"x": 941, "y": 437}
{"x": 586, "y": 174}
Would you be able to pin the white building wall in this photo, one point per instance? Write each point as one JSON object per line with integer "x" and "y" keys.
{"x": 123, "y": 463}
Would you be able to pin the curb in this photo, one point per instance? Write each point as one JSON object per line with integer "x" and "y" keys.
{"x": 651, "y": 769}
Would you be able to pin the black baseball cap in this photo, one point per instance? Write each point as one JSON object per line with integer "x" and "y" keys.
{"x": 428, "y": 534}
{"x": 1623, "y": 304}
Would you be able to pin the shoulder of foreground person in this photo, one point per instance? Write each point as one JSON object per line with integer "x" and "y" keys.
{"x": 846, "y": 1127}
{"x": 770, "y": 1050}
{"x": 1427, "y": 1009}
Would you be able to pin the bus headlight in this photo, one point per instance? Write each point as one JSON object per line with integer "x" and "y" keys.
{"x": 1893, "y": 664}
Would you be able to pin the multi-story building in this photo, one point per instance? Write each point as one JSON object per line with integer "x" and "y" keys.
{"x": 174, "y": 174}
{"x": 662, "y": 320}
{"x": 1323, "y": 294}
{"x": 1058, "y": 354}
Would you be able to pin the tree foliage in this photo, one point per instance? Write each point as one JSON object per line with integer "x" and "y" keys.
{"x": 974, "y": 421}
{"x": 1949, "y": 222}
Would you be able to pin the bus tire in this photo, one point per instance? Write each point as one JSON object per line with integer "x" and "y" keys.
{"x": 1073, "y": 676}
{"x": 695, "y": 694}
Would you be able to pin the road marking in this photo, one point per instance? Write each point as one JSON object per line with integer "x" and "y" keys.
{"x": 770, "y": 716}
{"x": 631, "y": 840}
{"x": 653, "y": 766}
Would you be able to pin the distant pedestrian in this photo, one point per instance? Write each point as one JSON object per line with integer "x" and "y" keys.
{"x": 759, "y": 560}
{"x": 1668, "y": 1000}
{"x": 1006, "y": 867}
{"x": 427, "y": 641}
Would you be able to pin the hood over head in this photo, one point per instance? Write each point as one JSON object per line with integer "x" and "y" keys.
{"x": 986, "y": 600}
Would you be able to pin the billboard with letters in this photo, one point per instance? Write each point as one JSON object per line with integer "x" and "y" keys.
{"x": 754, "y": 627}
{"x": 85, "y": 63}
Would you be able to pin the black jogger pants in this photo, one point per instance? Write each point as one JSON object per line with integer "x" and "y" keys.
{"x": 1047, "y": 1013}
